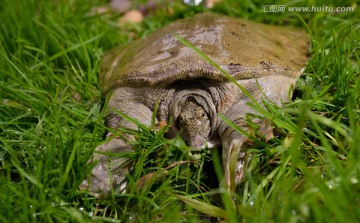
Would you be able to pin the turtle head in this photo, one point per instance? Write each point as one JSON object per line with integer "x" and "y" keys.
{"x": 195, "y": 124}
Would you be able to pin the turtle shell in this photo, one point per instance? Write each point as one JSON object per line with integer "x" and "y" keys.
{"x": 243, "y": 48}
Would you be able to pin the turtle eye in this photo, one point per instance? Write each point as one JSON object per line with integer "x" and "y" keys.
{"x": 201, "y": 114}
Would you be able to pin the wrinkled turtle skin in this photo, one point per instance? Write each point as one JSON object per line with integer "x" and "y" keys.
{"x": 265, "y": 60}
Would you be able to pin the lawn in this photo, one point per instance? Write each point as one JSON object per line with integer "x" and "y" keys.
{"x": 52, "y": 119}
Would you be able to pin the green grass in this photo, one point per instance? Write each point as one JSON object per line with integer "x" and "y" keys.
{"x": 51, "y": 119}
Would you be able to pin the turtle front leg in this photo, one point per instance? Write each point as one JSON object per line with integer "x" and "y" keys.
{"x": 234, "y": 156}
{"x": 110, "y": 172}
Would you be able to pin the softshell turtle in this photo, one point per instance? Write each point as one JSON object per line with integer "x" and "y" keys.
{"x": 265, "y": 60}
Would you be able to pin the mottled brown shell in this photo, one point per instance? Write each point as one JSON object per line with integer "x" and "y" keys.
{"x": 243, "y": 48}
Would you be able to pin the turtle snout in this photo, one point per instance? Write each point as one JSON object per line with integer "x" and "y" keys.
{"x": 197, "y": 142}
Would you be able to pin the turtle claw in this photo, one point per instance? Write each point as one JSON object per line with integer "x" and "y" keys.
{"x": 100, "y": 183}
